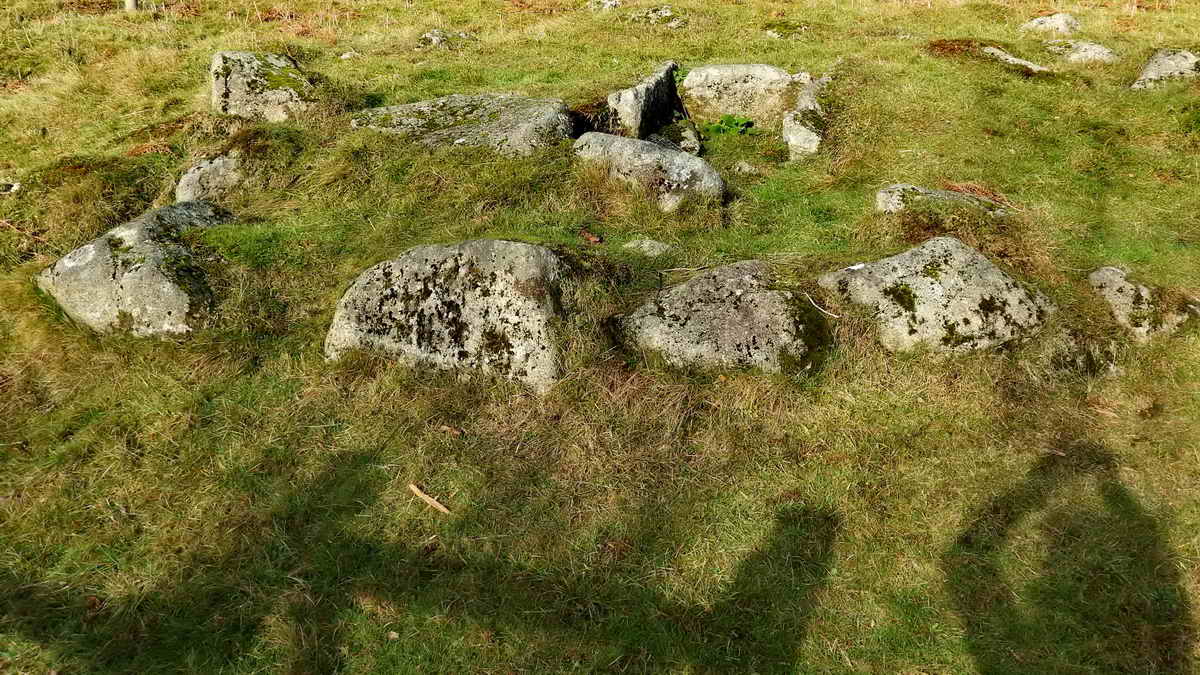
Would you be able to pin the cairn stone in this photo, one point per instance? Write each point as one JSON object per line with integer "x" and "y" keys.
{"x": 1138, "y": 309}
{"x": 140, "y": 277}
{"x": 1168, "y": 64}
{"x": 267, "y": 87}
{"x": 211, "y": 179}
{"x": 674, "y": 176}
{"x": 485, "y": 305}
{"x": 943, "y": 296}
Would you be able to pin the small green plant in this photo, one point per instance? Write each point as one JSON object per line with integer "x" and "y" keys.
{"x": 732, "y": 124}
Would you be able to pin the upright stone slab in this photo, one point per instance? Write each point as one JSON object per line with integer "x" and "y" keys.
{"x": 728, "y": 317}
{"x": 760, "y": 92}
{"x": 643, "y": 108}
{"x": 673, "y": 175}
{"x": 943, "y": 296}
{"x": 1168, "y": 64}
{"x": 1138, "y": 309}
{"x": 139, "y": 277}
{"x": 506, "y": 123}
{"x": 484, "y": 305}
{"x": 267, "y": 87}
{"x": 804, "y": 126}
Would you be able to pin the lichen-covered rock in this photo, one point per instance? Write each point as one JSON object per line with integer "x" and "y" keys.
{"x": 943, "y": 296}
{"x": 663, "y": 15}
{"x": 139, "y": 277}
{"x": 1168, "y": 64}
{"x": 674, "y": 176}
{"x": 648, "y": 105}
{"x": 1142, "y": 311}
{"x": 1027, "y": 67}
{"x": 728, "y": 317}
{"x": 804, "y": 125}
{"x": 901, "y": 196}
{"x": 760, "y": 92}
{"x": 648, "y": 247}
{"x": 506, "y": 123}
{"x": 441, "y": 39}
{"x": 211, "y": 179}
{"x": 484, "y": 305}
{"x": 267, "y": 87}
{"x": 1061, "y": 23}
{"x": 1082, "y": 51}
{"x": 603, "y": 5}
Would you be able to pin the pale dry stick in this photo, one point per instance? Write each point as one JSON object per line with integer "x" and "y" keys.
{"x": 427, "y": 499}
{"x": 131, "y": 5}
{"x": 819, "y": 308}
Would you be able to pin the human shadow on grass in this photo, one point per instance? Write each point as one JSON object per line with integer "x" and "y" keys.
{"x": 1109, "y": 597}
{"x": 312, "y": 570}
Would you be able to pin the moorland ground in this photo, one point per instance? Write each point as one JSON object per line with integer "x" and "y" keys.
{"x": 233, "y": 503}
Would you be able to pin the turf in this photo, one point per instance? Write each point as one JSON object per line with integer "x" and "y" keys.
{"x": 232, "y": 503}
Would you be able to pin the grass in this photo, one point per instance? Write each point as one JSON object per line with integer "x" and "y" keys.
{"x": 232, "y": 503}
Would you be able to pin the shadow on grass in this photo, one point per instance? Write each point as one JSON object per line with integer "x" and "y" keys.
{"x": 1108, "y": 598}
{"x": 308, "y": 568}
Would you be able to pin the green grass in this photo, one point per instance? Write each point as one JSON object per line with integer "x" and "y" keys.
{"x": 231, "y": 503}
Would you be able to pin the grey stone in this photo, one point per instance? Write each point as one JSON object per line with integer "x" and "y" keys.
{"x": 648, "y": 247}
{"x": 943, "y": 296}
{"x": 1061, "y": 23}
{"x": 267, "y": 87}
{"x": 506, "y": 123}
{"x": 674, "y": 176}
{"x": 211, "y": 179}
{"x": 484, "y": 305}
{"x": 898, "y": 197}
{"x": 689, "y": 137}
{"x": 744, "y": 168}
{"x": 1168, "y": 64}
{"x": 1082, "y": 51}
{"x": 1139, "y": 309}
{"x": 438, "y": 38}
{"x": 139, "y": 277}
{"x": 648, "y": 105}
{"x": 9, "y": 187}
{"x": 728, "y": 317}
{"x": 663, "y": 15}
{"x": 760, "y": 92}
{"x": 346, "y": 56}
{"x": 803, "y": 126}
{"x": 603, "y": 5}
{"x": 1028, "y": 67}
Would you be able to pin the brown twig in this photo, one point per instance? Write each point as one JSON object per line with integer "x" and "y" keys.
{"x": 427, "y": 499}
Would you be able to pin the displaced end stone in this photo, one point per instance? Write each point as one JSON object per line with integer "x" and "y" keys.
{"x": 486, "y": 305}
{"x": 673, "y": 176}
{"x": 652, "y": 103}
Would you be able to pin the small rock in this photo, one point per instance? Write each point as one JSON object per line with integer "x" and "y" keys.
{"x": 689, "y": 137}
{"x": 663, "y": 15}
{"x": 648, "y": 105}
{"x": 1082, "y": 51}
{"x": 759, "y": 92}
{"x": 267, "y": 87}
{"x": 744, "y": 168}
{"x": 1027, "y": 67}
{"x": 511, "y": 125}
{"x": 9, "y": 187}
{"x": 1168, "y": 64}
{"x": 941, "y": 295}
{"x": 673, "y": 175}
{"x": 898, "y": 197}
{"x": 349, "y": 55}
{"x": 803, "y": 126}
{"x": 438, "y": 38}
{"x": 1139, "y": 309}
{"x": 210, "y": 179}
{"x": 603, "y": 5}
{"x": 485, "y": 305}
{"x": 1061, "y": 23}
{"x": 728, "y": 317}
{"x": 785, "y": 30}
{"x": 648, "y": 247}
{"x": 140, "y": 277}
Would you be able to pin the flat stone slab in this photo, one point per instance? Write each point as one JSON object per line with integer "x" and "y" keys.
{"x": 1143, "y": 312}
{"x": 1027, "y": 67}
{"x": 673, "y": 175}
{"x": 943, "y": 296}
{"x": 902, "y": 196}
{"x": 255, "y": 86}
{"x": 485, "y": 305}
{"x": 1082, "y": 51}
{"x": 728, "y": 317}
{"x": 140, "y": 277}
{"x": 506, "y": 123}
{"x": 648, "y": 105}
{"x": 1168, "y": 64}
{"x": 1061, "y": 23}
